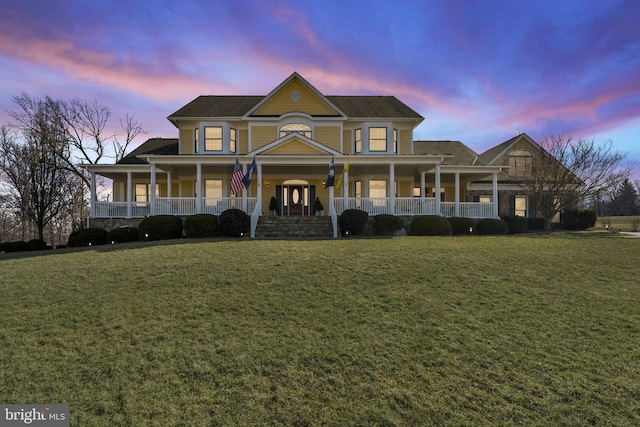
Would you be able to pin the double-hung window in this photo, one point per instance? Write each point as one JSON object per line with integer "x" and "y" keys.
{"x": 358, "y": 141}
{"x": 232, "y": 140}
{"x": 213, "y": 138}
{"x": 377, "y": 139}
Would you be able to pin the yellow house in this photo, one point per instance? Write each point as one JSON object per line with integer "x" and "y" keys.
{"x": 293, "y": 134}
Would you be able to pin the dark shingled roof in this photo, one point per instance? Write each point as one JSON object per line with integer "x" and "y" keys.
{"x": 490, "y": 155}
{"x": 462, "y": 155}
{"x": 162, "y": 146}
{"x": 352, "y": 106}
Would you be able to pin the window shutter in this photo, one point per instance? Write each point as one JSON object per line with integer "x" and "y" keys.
{"x": 532, "y": 207}
{"x": 279, "y": 197}
{"x": 312, "y": 198}
{"x": 512, "y": 205}
{"x": 476, "y": 199}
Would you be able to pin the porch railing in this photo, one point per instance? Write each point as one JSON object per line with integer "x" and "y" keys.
{"x": 181, "y": 206}
{"x": 414, "y": 206}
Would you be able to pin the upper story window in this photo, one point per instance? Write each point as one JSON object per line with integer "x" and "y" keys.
{"x": 395, "y": 141}
{"x": 196, "y": 138}
{"x": 296, "y": 128}
{"x": 377, "y": 139}
{"x": 213, "y": 138}
{"x": 232, "y": 140}
{"x": 520, "y": 164}
{"x": 358, "y": 141}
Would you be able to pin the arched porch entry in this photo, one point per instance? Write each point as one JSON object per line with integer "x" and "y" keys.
{"x": 296, "y": 198}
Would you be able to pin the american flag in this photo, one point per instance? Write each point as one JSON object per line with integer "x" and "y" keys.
{"x": 236, "y": 179}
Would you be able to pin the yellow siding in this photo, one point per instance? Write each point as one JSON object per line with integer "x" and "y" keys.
{"x": 406, "y": 140}
{"x": 187, "y": 189}
{"x": 262, "y": 135}
{"x": 346, "y": 142}
{"x": 405, "y": 189}
{"x": 243, "y": 145}
{"x": 117, "y": 196}
{"x": 186, "y": 141}
{"x": 294, "y": 146}
{"x": 328, "y": 135}
{"x": 520, "y": 145}
{"x": 282, "y": 103}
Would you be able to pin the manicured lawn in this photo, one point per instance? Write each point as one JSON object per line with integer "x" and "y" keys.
{"x": 622, "y": 223}
{"x": 533, "y": 330}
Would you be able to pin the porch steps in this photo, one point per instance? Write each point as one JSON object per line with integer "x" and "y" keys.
{"x": 294, "y": 227}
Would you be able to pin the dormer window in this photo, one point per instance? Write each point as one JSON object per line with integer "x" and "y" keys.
{"x": 520, "y": 164}
{"x": 300, "y": 128}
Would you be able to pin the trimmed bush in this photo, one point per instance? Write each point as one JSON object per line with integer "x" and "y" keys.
{"x": 5, "y": 246}
{"x": 160, "y": 227}
{"x": 461, "y": 225}
{"x": 353, "y": 221}
{"x": 234, "y": 223}
{"x": 515, "y": 223}
{"x": 535, "y": 223}
{"x": 579, "y": 219}
{"x": 387, "y": 225}
{"x": 18, "y": 246}
{"x": 201, "y": 225}
{"x": 491, "y": 226}
{"x": 36, "y": 245}
{"x": 87, "y": 236}
{"x": 430, "y": 225}
{"x": 123, "y": 235}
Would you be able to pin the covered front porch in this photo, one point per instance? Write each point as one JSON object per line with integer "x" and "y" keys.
{"x": 398, "y": 185}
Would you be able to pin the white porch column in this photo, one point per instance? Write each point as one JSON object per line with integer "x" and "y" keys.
{"x": 129, "y": 195}
{"x": 437, "y": 189}
{"x": 152, "y": 191}
{"x": 198, "y": 188}
{"x": 457, "y": 195}
{"x": 245, "y": 191}
{"x": 423, "y": 184}
{"x": 92, "y": 205}
{"x": 169, "y": 185}
{"x": 494, "y": 194}
{"x": 259, "y": 187}
{"x": 392, "y": 188}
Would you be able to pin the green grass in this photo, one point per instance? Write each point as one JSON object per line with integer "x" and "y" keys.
{"x": 622, "y": 223}
{"x": 532, "y": 330}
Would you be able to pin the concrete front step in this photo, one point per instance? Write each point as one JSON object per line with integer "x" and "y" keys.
{"x": 294, "y": 227}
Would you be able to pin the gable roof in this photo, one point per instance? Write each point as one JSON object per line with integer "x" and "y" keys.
{"x": 295, "y": 139}
{"x": 242, "y": 106}
{"x": 495, "y": 153}
{"x": 462, "y": 155}
{"x": 161, "y": 146}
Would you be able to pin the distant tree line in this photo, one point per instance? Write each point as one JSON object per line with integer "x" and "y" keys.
{"x": 43, "y": 186}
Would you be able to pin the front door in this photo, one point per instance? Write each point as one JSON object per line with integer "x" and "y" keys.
{"x": 296, "y": 200}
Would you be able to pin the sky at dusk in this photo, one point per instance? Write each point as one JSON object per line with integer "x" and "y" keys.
{"x": 479, "y": 71}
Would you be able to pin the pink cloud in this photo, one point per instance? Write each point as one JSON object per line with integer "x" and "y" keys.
{"x": 103, "y": 68}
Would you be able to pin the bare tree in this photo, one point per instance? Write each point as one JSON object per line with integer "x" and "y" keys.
{"x": 32, "y": 169}
{"x": 567, "y": 172}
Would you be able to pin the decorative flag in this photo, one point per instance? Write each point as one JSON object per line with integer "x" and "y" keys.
{"x": 345, "y": 170}
{"x": 246, "y": 181}
{"x": 332, "y": 174}
{"x": 236, "y": 179}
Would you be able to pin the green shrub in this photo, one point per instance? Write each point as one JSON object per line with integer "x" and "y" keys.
{"x": 515, "y": 223}
{"x": 87, "y": 237}
{"x": 201, "y": 225}
{"x": 36, "y": 245}
{"x": 461, "y": 225}
{"x": 5, "y": 246}
{"x": 123, "y": 235}
{"x": 160, "y": 227}
{"x": 353, "y": 221}
{"x": 18, "y": 246}
{"x": 387, "y": 225}
{"x": 317, "y": 205}
{"x": 430, "y": 225}
{"x": 491, "y": 226}
{"x": 579, "y": 219}
{"x": 234, "y": 223}
{"x": 535, "y": 223}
